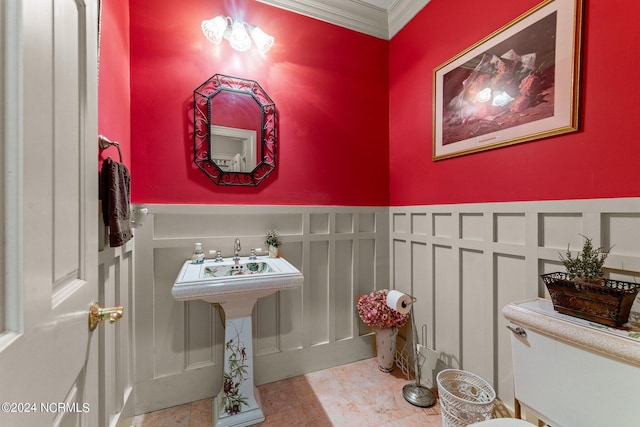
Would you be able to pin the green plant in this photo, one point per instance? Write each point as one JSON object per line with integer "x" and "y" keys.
{"x": 273, "y": 238}
{"x": 588, "y": 264}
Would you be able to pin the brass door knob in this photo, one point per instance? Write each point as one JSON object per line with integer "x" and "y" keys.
{"x": 97, "y": 314}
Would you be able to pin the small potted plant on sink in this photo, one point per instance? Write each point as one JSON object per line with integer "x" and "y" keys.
{"x": 584, "y": 292}
{"x": 273, "y": 242}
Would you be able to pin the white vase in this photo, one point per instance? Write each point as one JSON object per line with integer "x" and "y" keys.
{"x": 273, "y": 251}
{"x": 384, "y": 348}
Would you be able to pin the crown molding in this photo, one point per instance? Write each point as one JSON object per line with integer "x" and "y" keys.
{"x": 401, "y": 12}
{"x": 357, "y": 15}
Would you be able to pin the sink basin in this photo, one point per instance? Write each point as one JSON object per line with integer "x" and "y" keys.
{"x": 223, "y": 270}
{"x": 218, "y": 282}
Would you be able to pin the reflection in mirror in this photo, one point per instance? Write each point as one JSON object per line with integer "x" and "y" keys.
{"x": 233, "y": 150}
{"x": 235, "y": 131}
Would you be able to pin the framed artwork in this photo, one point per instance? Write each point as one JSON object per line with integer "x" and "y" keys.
{"x": 518, "y": 84}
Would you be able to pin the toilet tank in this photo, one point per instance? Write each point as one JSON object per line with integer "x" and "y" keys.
{"x": 564, "y": 375}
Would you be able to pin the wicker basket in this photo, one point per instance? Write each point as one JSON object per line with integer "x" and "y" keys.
{"x": 607, "y": 303}
{"x": 465, "y": 398}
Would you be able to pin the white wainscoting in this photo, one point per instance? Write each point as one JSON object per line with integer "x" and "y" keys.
{"x": 465, "y": 262}
{"x": 342, "y": 252}
{"x": 115, "y": 275}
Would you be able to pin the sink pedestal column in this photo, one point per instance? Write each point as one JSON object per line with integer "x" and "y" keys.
{"x": 238, "y": 403}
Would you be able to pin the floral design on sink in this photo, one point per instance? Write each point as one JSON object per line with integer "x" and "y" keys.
{"x": 235, "y": 270}
{"x": 235, "y": 374}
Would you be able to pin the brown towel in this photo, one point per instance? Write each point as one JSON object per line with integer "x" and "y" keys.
{"x": 116, "y": 210}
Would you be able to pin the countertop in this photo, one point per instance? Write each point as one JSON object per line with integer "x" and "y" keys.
{"x": 538, "y": 314}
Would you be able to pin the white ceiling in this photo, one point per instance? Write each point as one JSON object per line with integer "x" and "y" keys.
{"x": 378, "y": 18}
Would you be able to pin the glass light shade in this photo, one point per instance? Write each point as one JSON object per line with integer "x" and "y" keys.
{"x": 239, "y": 38}
{"x": 214, "y": 29}
{"x": 264, "y": 41}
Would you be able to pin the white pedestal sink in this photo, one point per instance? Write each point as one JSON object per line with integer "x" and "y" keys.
{"x": 236, "y": 286}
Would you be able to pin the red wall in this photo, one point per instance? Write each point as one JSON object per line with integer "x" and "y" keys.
{"x": 114, "y": 101}
{"x": 333, "y": 92}
{"x": 330, "y": 86}
{"x": 598, "y": 161}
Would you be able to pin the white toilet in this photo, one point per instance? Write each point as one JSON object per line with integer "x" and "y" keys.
{"x": 503, "y": 422}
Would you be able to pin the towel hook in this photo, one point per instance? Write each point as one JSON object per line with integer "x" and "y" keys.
{"x": 104, "y": 143}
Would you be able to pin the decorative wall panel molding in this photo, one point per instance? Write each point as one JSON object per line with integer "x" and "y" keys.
{"x": 342, "y": 252}
{"x": 465, "y": 262}
{"x": 115, "y": 276}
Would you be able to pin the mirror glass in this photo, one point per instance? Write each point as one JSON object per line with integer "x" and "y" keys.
{"x": 235, "y": 131}
{"x": 235, "y": 127}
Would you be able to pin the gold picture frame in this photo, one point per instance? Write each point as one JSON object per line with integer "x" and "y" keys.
{"x": 518, "y": 84}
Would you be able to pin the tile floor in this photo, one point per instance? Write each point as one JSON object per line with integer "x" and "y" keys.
{"x": 357, "y": 394}
{"x": 353, "y": 395}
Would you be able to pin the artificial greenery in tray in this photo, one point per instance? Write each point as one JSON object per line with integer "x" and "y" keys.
{"x": 584, "y": 292}
{"x": 588, "y": 264}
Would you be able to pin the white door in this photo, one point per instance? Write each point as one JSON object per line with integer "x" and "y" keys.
{"x": 48, "y": 357}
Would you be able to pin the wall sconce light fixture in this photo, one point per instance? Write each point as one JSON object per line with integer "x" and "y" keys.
{"x": 237, "y": 33}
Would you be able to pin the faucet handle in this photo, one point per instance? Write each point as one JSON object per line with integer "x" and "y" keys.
{"x": 253, "y": 253}
{"x": 217, "y": 254}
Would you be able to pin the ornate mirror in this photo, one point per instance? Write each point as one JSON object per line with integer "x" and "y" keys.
{"x": 235, "y": 131}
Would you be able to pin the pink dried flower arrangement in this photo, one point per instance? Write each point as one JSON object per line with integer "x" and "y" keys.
{"x": 375, "y": 312}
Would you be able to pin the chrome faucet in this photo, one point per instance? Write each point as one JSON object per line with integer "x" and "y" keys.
{"x": 236, "y": 250}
